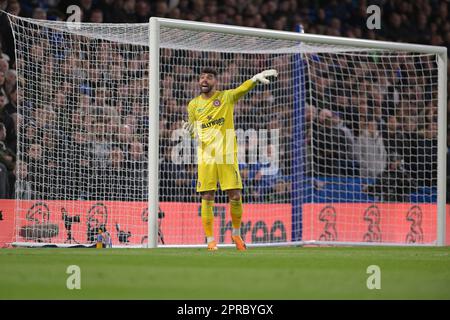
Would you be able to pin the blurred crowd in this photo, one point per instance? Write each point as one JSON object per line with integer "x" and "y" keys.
{"x": 84, "y": 127}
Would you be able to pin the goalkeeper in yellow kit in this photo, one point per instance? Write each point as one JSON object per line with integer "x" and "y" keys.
{"x": 211, "y": 122}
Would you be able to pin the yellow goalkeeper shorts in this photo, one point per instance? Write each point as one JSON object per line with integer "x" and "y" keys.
{"x": 226, "y": 174}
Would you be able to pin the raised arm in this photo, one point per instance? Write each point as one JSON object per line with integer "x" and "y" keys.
{"x": 240, "y": 91}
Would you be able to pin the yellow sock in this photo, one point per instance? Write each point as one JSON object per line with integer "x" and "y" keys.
{"x": 208, "y": 218}
{"x": 236, "y": 215}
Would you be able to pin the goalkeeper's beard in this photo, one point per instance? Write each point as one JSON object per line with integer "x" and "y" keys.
{"x": 206, "y": 89}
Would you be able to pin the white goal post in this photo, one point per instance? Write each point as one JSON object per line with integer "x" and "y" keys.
{"x": 441, "y": 52}
{"x": 331, "y": 92}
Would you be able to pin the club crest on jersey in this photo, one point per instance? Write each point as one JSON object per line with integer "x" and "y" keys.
{"x": 216, "y": 103}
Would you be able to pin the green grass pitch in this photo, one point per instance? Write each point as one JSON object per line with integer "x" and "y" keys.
{"x": 259, "y": 273}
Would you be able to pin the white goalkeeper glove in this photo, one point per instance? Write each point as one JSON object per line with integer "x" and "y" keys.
{"x": 189, "y": 127}
{"x": 261, "y": 77}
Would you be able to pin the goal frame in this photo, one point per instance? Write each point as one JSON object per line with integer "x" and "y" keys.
{"x": 155, "y": 25}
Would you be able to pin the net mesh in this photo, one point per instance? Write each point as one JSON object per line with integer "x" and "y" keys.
{"x": 372, "y": 147}
{"x": 341, "y": 147}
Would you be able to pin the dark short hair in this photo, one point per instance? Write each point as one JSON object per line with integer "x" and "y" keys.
{"x": 209, "y": 71}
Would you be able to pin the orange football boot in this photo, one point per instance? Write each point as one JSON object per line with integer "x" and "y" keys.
{"x": 240, "y": 244}
{"x": 212, "y": 246}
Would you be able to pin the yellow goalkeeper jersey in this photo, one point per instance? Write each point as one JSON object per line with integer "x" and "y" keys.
{"x": 214, "y": 123}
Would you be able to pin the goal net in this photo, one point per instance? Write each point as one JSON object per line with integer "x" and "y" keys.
{"x": 340, "y": 148}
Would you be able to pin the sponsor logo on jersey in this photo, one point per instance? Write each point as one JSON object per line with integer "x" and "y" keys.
{"x": 214, "y": 122}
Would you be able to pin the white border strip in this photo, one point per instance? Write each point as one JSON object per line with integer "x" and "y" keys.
{"x": 250, "y": 245}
